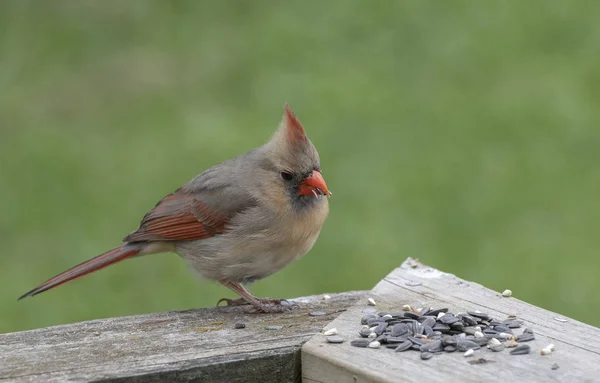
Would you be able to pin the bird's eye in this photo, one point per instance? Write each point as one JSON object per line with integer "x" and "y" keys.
{"x": 286, "y": 176}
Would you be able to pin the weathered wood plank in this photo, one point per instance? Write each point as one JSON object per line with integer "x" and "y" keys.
{"x": 194, "y": 345}
{"x": 577, "y": 347}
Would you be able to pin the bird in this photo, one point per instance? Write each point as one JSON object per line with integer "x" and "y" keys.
{"x": 236, "y": 222}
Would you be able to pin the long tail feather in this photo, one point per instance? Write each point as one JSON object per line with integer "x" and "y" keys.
{"x": 85, "y": 268}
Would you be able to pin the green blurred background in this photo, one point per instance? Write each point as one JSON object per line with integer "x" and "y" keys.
{"x": 462, "y": 133}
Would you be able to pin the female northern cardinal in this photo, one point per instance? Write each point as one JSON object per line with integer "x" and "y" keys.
{"x": 239, "y": 221}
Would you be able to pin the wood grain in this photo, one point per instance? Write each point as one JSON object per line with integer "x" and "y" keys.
{"x": 191, "y": 346}
{"x": 577, "y": 344}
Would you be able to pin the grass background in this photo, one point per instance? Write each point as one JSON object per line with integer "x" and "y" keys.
{"x": 462, "y": 133}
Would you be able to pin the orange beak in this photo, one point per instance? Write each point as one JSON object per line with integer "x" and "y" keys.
{"x": 314, "y": 185}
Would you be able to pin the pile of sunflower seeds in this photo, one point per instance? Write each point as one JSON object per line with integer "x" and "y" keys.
{"x": 435, "y": 331}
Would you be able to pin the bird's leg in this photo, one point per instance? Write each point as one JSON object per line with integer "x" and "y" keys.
{"x": 260, "y": 304}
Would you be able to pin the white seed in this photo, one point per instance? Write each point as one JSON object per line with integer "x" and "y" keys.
{"x": 441, "y": 315}
{"x": 387, "y": 316}
{"x": 505, "y": 335}
{"x": 478, "y": 334}
{"x": 406, "y": 308}
{"x": 507, "y": 293}
{"x": 419, "y": 310}
{"x": 374, "y": 344}
{"x": 331, "y": 331}
{"x": 326, "y": 297}
{"x": 546, "y": 351}
{"x": 364, "y": 327}
{"x": 493, "y": 342}
{"x": 469, "y": 352}
{"x": 371, "y": 302}
{"x": 563, "y": 320}
{"x": 551, "y": 347}
{"x": 372, "y": 335}
{"x": 477, "y": 328}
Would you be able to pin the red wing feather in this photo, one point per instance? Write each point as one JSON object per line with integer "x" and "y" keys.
{"x": 179, "y": 217}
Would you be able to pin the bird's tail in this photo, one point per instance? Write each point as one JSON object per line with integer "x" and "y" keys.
{"x": 101, "y": 261}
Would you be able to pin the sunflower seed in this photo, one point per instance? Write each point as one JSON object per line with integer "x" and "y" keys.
{"x": 521, "y": 350}
{"x": 428, "y": 321}
{"x": 449, "y": 319}
{"x": 441, "y": 327}
{"x": 335, "y": 339}
{"x": 450, "y": 348}
{"x": 436, "y": 312}
{"x": 365, "y": 332}
{"x": 513, "y": 323}
{"x": 525, "y": 337}
{"x": 428, "y": 331}
{"x": 478, "y": 314}
{"x": 366, "y": 318}
{"x": 239, "y": 325}
{"x": 469, "y": 321}
{"x": 380, "y": 328}
{"x": 416, "y": 341}
{"x": 360, "y": 342}
{"x": 395, "y": 339}
{"x": 497, "y": 347}
{"x": 407, "y": 344}
{"x": 426, "y": 355}
{"x": 464, "y": 345}
{"x": 399, "y": 329}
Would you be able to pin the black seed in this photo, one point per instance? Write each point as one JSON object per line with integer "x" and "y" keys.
{"x": 449, "y": 319}
{"x": 513, "y": 323}
{"x": 360, "y": 342}
{"x": 317, "y": 313}
{"x": 417, "y": 329}
{"x": 375, "y": 322}
{"x": 411, "y": 315}
{"x": 464, "y": 345}
{"x": 470, "y": 330}
{"x": 458, "y": 326}
{"x": 415, "y": 347}
{"x": 335, "y": 339}
{"x": 497, "y": 347}
{"x": 469, "y": 321}
{"x": 478, "y": 315}
{"x": 426, "y": 355}
{"x": 503, "y": 328}
{"x": 365, "y": 332}
{"x": 240, "y": 325}
{"x": 383, "y": 313}
{"x": 490, "y": 331}
{"x": 396, "y": 339}
{"x": 450, "y": 348}
{"x": 365, "y": 319}
{"x": 436, "y": 346}
{"x": 273, "y": 327}
{"x": 399, "y": 329}
{"x": 521, "y": 350}
{"x": 480, "y": 341}
{"x": 428, "y": 331}
{"x": 441, "y": 327}
{"x": 380, "y": 328}
{"x": 436, "y": 312}
{"x": 424, "y": 347}
{"x": 428, "y": 321}
{"x": 407, "y": 344}
{"x": 448, "y": 340}
{"x": 416, "y": 341}
{"x": 525, "y": 337}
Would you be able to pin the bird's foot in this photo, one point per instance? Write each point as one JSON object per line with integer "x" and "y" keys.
{"x": 265, "y": 305}
{"x": 233, "y": 302}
